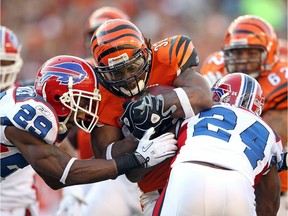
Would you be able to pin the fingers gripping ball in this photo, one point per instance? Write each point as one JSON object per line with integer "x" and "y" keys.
{"x": 151, "y": 152}
{"x": 147, "y": 110}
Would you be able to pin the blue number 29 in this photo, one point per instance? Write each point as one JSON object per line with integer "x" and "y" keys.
{"x": 40, "y": 123}
{"x": 255, "y": 137}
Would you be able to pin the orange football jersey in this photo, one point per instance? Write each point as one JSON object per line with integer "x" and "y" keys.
{"x": 213, "y": 67}
{"x": 170, "y": 57}
{"x": 274, "y": 86}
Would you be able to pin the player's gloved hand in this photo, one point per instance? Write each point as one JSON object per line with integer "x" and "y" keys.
{"x": 127, "y": 117}
{"x": 151, "y": 152}
{"x": 148, "y": 112}
{"x": 71, "y": 202}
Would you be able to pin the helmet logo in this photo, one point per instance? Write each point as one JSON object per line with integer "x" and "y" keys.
{"x": 223, "y": 93}
{"x": 118, "y": 59}
{"x": 8, "y": 41}
{"x": 235, "y": 42}
{"x": 63, "y": 71}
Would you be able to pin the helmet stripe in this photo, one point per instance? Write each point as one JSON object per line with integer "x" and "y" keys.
{"x": 128, "y": 31}
{"x": 115, "y": 49}
{"x": 246, "y": 93}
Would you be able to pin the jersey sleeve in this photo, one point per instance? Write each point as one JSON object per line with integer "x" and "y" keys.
{"x": 31, "y": 113}
{"x": 179, "y": 51}
{"x": 274, "y": 86}
{"x": 213, "y": 67}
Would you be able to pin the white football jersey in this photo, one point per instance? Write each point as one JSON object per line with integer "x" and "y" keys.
{"x": 230, "y": 137}
{"x": 23, "y": 108}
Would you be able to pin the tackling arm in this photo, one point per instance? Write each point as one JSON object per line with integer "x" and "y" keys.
{"x": 196, "y": 88}
{"x": 55, "y": 163}
{"x": 102, "y": 137}
{"x": 50, "y": 161}
{"x": 267, "y": 193}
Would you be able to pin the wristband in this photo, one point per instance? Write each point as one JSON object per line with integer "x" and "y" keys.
{"x": 67, "y": 169}
{"x": 109, "y": 151}
{"x": 185, "y": 102}
{"x": 127, "y": 162}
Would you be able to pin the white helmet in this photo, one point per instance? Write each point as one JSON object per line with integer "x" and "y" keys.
{"x": 11, "y": 61}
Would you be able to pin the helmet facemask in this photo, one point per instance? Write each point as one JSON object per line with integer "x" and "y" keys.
{"x": 251, "y": 32}
{"x": 252, "y": 63}
{"x": 10, "y": 58}
{"x": 8, "y": 73}
{"x": 126, "y": 77}
{"x": 82, "y": 101}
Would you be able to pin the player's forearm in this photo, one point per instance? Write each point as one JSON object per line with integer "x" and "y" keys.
{"x": 122, "y": 147}
{"x": 197, "y": 90}
{"x": 267, "y": 193}
{"x": 89, "y": 171}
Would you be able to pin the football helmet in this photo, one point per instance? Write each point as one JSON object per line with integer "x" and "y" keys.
{"x": 98, "y": 17}
{"x": 122, "y": 58}
{"x": 241, "y": 90}
{"x": 69, "y": 84}
{"x": 11, "y": 61}
{"x": 245, "y": 33}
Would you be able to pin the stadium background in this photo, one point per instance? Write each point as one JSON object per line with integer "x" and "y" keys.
{"x": 51, "y": 27}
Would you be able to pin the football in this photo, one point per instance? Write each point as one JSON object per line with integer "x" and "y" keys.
{"x": 155, "y": 89}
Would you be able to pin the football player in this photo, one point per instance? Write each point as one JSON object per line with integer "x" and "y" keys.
{"x": 21, "y": 199}
{"x": 126, "y": 63}
{"x": 89, "y": 199}
{"x": 223, "y": 153}
{"x": 251, "y": 47}
{"x": 35, "y": 119}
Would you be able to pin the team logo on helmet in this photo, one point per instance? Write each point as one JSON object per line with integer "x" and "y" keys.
{"x": 63, "y": 71}
{"x": 222, "y": 92}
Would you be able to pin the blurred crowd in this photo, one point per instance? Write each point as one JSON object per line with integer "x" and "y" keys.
{"x": 50, "y": 27}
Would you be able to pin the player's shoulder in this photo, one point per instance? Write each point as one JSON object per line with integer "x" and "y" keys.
{"x": 28, "y": 104}
{"x": 23, "y": 108}
{"x": 276, "y": 79}
{"x": 213, "y": 63}
{"x": 177, "y": 50}
{"x": 281, "y": 67}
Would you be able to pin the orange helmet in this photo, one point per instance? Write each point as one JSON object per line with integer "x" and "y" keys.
{"x": 121, "y": 57}
{"x": 98, "y": 17}
{"x": 250, "y": 32}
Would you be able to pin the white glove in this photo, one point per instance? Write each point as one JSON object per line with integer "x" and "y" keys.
{"x": 71, "y": 202}
{"x": 158, "y": 149}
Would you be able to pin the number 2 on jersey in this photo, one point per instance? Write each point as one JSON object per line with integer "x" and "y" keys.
{"x": 40, "y": 125}
{"x": 254, "y": 137}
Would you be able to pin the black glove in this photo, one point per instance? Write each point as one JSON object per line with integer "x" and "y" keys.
{"x": 148, "y": 112}
{"x": 127, "y": 117}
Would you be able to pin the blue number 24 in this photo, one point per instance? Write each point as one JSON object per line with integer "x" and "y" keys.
{"x": 254, "y": 137}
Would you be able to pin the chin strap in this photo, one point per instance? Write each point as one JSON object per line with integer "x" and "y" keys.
{"x": 62, "y": 125}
